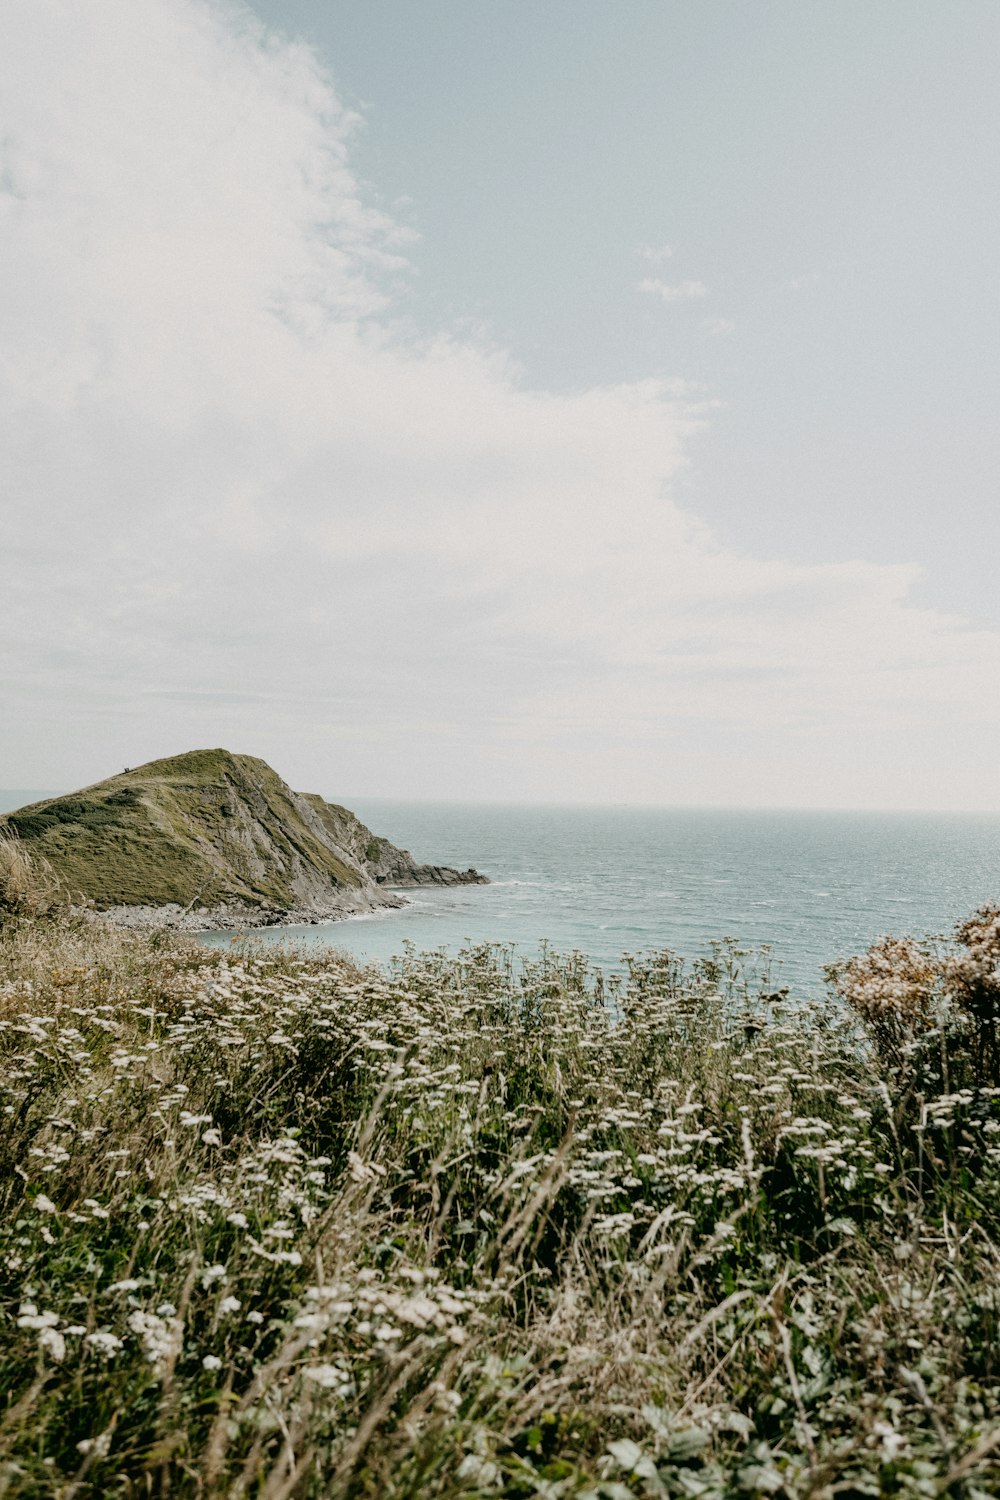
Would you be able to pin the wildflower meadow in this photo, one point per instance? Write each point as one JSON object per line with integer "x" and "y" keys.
{"x": 274, "y": 1225}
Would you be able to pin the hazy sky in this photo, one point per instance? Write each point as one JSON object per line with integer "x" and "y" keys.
{"x": 554, "y": 399}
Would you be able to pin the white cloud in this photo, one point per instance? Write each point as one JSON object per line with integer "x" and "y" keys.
{"x": 719, "y": 328}
{"x": 657, "y": 254}
{"x": 678, "y": 291}
{"x": 241, "y": 507}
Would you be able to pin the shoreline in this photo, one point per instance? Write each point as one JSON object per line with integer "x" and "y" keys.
{"x": 236, "y": 916}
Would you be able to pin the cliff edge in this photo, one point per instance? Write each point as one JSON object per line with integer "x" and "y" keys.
{"x": 211, "y": 839}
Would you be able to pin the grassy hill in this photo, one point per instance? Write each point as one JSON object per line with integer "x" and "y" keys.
{"x": 208, "y": 829}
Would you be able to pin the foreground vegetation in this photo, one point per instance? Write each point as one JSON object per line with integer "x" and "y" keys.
{"x": 274, "y": 1226}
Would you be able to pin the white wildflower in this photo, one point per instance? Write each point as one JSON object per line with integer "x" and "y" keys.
{"x": 315, "y": 1322}
{"x": 103, "y": 1343}
{"x": 52, "y": 1341}
{"x": 99, "y": 1446}
{"x": 30, "y": 1317}
{"x": 482, "y": 1472}
{"x": 892, "y": 1441}
{"x": 331, "y": 1378}
{"x": 161, "y": 1337}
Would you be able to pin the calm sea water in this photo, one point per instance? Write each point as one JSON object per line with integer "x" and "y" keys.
{"x": 816, "y": 886}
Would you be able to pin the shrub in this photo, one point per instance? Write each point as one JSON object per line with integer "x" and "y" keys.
{"x": 932, "y": 1016}
{"x": 892, "y": 988}
{"x": 82, "y": 812}
{"x": 972, "y": 978}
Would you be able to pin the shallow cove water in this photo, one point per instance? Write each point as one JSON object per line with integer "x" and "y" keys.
{"x": 816, "y": 886}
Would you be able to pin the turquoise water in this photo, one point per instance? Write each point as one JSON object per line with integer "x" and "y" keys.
{"x": 816, "y": 886}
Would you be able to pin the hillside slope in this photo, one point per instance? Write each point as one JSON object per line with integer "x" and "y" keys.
{"x": 220, "y": 837}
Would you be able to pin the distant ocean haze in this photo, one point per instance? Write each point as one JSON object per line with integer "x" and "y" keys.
{"x": 815, "y": 886}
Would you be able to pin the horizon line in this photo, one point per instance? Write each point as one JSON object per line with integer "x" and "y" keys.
{"x": 43, "y": 793}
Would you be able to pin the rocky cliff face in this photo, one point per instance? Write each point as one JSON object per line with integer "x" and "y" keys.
{"x": 383, "y": 862}
{"x": 211, "y": 838}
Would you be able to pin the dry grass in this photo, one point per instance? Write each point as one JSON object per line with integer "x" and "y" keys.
{"x": 28, "y": 886}
{"x": 273, "y": 1226}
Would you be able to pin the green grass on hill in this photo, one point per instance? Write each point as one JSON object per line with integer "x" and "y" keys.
{"x": 204, "y": 827}
{"x": 274, "y": 1226}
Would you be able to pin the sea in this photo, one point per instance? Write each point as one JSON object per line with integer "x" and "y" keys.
{"x": 813, "y": 887}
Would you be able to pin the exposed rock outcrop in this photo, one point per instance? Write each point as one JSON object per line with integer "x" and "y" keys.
{"x": 387, "y": 865}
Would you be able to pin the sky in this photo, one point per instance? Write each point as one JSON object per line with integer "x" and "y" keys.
{"x": 550, "y": 401}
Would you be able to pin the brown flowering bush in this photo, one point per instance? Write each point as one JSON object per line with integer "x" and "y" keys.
{"x": 972, "y": 977}
{"x": 931, "y": 1013}
{"x": 893, "y": 989}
